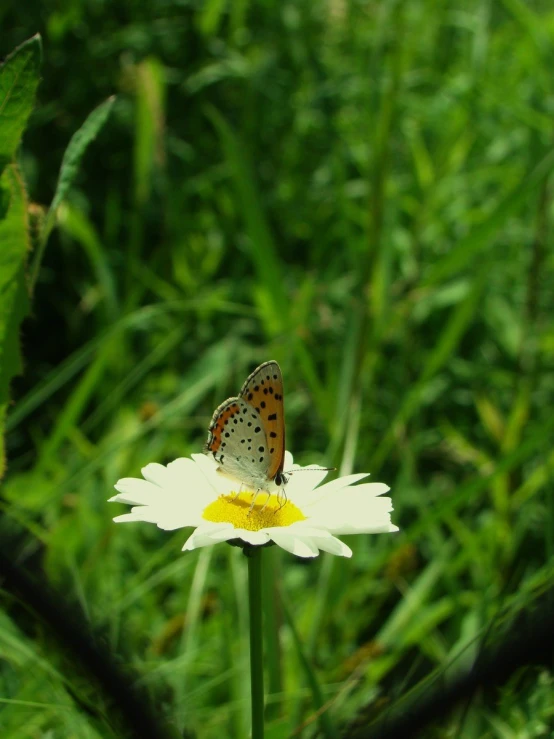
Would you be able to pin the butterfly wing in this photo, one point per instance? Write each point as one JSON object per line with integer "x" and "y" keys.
{"x": 263, "y": 390}
{"x": 237, "y": 441}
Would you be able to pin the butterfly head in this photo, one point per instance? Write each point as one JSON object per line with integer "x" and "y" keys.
{"x": 281, "y": 479}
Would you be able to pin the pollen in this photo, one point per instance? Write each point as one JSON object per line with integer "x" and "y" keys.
{"x": 267, "y": 512}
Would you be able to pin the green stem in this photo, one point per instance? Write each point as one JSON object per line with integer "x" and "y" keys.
{"x": 272, "y": 618}
{"x": 256, "y": 641}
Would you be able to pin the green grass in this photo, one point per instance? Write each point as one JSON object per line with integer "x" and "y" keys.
{"x": 361, "y": 191}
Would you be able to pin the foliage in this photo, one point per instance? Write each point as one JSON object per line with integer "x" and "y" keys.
{"x": 18, "y": 82}
{"x": 360, "y": 190}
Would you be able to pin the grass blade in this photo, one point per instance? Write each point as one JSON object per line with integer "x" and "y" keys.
{"x": 68, "y": 171}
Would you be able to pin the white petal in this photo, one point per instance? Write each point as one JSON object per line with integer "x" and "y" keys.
{"x": 209, "y": 533}
{"x": 134, "y": 490}
{"x": 126, "y": 517}
{"x": 213, "y": 527}
{"x": 333, "y": 546}
{"x": 252, "y": 537}
{"x": 139, "y": 513}
{"x": 156, "y": 473}
{"x": 350, "y": 509}
{"x": 129, "y": 499}
{"x": 348, "y": 502}
{"x": 372, "y": 488}
{"x": 316, "y": 535}
{"x": 371, "y": 518}
{"x": 303, "y": 529}
{"x": 198, "y": 542}
{"x": 330, "y": 489}
{"x": 295, "y": 545}
{"x": 207, "y": 466}
{"x": 175, "y": 496}
{"x": 186, "y": 474}
{"x": 206, "y": 462}
{"x": 170, "y": 519}
{"x": 303, "y": 480}
{"x": 380, "y": 527}
{"x": 320, "y": 537}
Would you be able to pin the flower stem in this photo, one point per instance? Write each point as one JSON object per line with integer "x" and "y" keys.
{"x": 256, "y": 641}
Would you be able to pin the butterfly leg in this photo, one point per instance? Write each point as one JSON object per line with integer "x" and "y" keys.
{"x": 258, "y": 491}
{"x": 281, "y": 497}
{"x": 239, "y": 491}
{"x": 267, "y": 501}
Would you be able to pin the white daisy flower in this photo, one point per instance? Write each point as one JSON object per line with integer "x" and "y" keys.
{"x": 193, "y": 492}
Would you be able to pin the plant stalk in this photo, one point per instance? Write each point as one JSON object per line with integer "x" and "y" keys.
{"x": 256, "y": 641}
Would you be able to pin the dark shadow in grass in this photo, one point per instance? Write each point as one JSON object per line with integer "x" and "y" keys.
{"x": 126, "y": 709}
{"x": 528, "y": 641}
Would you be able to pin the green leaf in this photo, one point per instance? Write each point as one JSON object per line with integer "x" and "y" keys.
{"x": 14, "y": 296}
{"x": 70, "y": 165}
{"x": 19, "y": 78}
{"x": 77, "y": 147}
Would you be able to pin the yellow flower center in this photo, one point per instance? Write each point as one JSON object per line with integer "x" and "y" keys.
{"x": 267, "y": 512}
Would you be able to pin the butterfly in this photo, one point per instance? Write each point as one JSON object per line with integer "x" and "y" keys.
{"x": 246, "y": 436}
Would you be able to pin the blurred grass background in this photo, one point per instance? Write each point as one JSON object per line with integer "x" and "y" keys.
{"x": 362, "y": 191}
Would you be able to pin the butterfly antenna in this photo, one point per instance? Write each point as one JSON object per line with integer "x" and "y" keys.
{"x": 310, "y": 469}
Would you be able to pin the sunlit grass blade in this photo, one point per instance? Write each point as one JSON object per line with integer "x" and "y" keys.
{"x": 76, "y": 405}
{"x": 262, "y": 249}
{"x": 191, "y": 624}
{"x": 457, "y": 324}
{"x": 197, "y": 382}
{"x": 481, "y": 238}
{"x": 320, "y": 710}
{"x": 75, "y": 223}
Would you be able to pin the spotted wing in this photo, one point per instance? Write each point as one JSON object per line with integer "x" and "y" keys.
{"x": 263, "y": 390}
{"x": 237, "y": 441}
